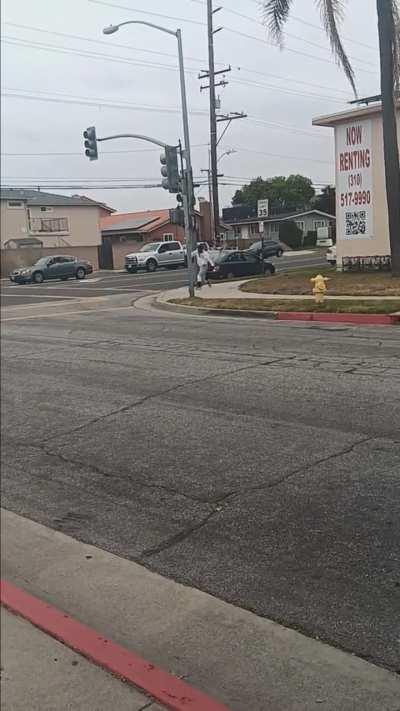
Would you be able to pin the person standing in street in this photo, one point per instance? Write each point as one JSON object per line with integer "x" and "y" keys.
{"x": 204, "y": 263}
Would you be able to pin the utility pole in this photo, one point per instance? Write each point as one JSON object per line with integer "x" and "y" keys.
{"x": 210, "y": 74}
{"x": 213, "y": 117}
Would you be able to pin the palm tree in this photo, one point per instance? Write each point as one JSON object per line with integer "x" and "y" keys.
{"x": 276, "y": 13}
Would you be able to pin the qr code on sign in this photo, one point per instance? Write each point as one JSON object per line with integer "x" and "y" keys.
{"x": 356, "y": 223}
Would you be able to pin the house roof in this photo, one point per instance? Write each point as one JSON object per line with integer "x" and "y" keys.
{"x": 281, "y": 217}
{"x": 38, "y": 197}
{"x": 350, "y": 114}
{"x": 146, "y": 221}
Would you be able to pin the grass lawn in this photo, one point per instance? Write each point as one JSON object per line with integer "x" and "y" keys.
{"x": 341, "y": 284}
{"x": 352, "y": 306}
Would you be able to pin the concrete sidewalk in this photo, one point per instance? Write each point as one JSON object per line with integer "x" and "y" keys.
{"x": 231, "y": 290}
{"x": 246, "y": 662}
{"x": 41, "y": 674}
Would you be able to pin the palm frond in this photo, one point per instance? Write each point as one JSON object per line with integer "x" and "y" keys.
{"x": 332, "y": 14}
{"x": 275, "y": 14}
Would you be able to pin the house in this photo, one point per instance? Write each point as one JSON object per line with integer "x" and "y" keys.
{"x": 123, "y": 233}
{"x": 361, "y": 206}
{"x": 246, "y": 225}
{"x": 36, "y": 223}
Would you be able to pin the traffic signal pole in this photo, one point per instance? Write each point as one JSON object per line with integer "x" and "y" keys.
{"x": 187, "y": 178}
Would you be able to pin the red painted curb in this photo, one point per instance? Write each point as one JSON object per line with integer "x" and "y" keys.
{"x": 163, "y": 687}
{"x": 357, "y": 319}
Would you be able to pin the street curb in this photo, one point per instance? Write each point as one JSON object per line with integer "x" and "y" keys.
{"x": 352, "y": 319}
{"x": 165, "y": 688}
{"x": 204, "y": 311}
{"x": 355, "y": 319}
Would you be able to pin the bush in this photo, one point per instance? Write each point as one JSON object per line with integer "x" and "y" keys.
{"x": 310, "y": 240}
{"x": 290, "y": 234}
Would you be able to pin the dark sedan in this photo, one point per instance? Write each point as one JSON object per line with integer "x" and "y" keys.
{"x": 268, "y": 248}
{"x": 55, "y": 267}
{"x": 231, "y": 264}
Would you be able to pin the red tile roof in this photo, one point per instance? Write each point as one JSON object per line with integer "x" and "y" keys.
{"x": 157, "y": 217}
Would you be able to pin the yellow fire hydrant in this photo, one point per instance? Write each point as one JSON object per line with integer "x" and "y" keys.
{"x": 319, "y": 288}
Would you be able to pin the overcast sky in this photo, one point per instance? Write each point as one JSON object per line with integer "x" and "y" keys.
{"x": 136, "y": 87}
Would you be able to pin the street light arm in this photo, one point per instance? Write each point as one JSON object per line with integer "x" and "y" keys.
{"x": 113, "y": 28}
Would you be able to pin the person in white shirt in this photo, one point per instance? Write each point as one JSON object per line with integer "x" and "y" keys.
{"x": 203, "y": 261}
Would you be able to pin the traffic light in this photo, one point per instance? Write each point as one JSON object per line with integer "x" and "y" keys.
{"x": 90, "y": 143}
{"x": 170, "y": 170}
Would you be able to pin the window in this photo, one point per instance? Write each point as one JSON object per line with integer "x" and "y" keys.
{"x": 319, "y": 223}
{"x": 255, "y": 229}
{"x": 247, "y": 257}
{"x": 168, "y": 237}
{"x": 15, "y": 204}
{"x": 164, "y": 248}
{"x": 46, "y": 209}
{"x": 174, "y": 247}
{"x": 300, "y": 225}
{"x": 236, "y": 230}
{"x": 274, "y": 227}
{"x": 52, "y": 224}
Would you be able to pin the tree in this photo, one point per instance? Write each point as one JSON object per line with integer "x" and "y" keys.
{"x": 276, "y": 13}
{"x": 283, "y": 193}
{"x": 326, "y": 201}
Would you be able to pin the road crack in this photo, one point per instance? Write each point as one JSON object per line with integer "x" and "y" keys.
{"x": 161, "y": 393}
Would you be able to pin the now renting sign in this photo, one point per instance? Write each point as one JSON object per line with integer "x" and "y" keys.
{"x": 354, "y": 179}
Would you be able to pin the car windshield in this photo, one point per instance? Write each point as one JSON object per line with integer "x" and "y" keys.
{"x": 150, "y": 247}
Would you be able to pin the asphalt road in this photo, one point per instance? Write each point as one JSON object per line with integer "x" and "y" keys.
{"x": 117, "y": 283}
{"x": 258, "y": 461}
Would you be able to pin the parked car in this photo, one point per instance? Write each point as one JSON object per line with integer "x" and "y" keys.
{"x": 155, "y": 255}
{"x": 230, "y": 264}
{"x": 270, "y": 248}
{"x": 55, "y": 267}
{"x": 331, "y": 255}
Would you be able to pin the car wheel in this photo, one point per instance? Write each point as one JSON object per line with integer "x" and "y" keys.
{"x": 37, "y": 277}
{"x": 131, "y": 270}
{"x": 80, "y": 273}
{"x": 151, "y": 265}
{"x": 279, "y": 252}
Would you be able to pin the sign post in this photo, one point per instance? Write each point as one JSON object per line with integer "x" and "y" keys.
{"x": 262, "y": 211}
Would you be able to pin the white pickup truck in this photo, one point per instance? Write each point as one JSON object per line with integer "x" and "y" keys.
{"x": 156, "y": 254}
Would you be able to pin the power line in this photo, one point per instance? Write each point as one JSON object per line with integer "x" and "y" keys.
{"x": 82, "y": 101}
{"x": 111, "y": 58}
{"x": 16, "y": 41}
{"x": 292, "y": 36}
{"x": 62, "y": 98}
{"x": 103, "y": 153}
{"x": 107, "y": 44}
{"x": 165, "y": 54}
{"x": 228, "y": 29}
{"x": 317, "y": 27}
{"x": 287, "y": 49}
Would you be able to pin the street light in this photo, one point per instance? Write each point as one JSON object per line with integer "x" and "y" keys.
{"x": 188, "y": 207}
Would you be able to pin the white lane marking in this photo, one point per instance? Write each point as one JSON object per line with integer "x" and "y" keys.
{"x": 67, "y": 313}
{"x": 38, "y": 296}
